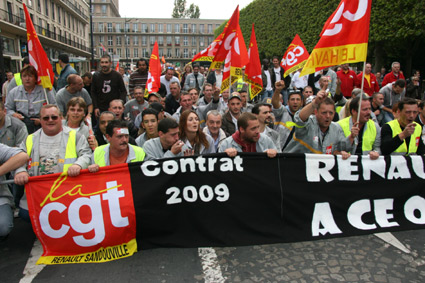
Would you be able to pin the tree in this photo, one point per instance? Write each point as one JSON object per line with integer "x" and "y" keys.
{"x": 180, "y": 10}
{"x": 193, "y": 12}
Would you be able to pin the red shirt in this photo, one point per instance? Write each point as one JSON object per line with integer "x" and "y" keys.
{"x": 390, "y": 77}
{"x": 348, "y": 81}
{"x": 371, "y": 88}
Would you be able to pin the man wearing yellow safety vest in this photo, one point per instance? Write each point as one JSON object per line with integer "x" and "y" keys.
{"x": 118, "y": 150}
{"x": 318, "y": 133}
{"x": 402, "y": 136}
{"x": 52, "y": 149}
{"x": 284, "y": 115}
{"x": 368, "y": 140}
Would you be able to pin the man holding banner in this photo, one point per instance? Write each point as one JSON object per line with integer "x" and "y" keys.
{"x": 52, "y": 149}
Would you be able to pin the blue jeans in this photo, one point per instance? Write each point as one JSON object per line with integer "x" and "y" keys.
{"x": 387, "y": 117}
{"x": 6, "y": 220}
{"x": 267, "y": 94}
{"x": 24, "y": 215}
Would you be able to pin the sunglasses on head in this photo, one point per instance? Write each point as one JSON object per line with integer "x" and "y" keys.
{"x": 47, "y": 118}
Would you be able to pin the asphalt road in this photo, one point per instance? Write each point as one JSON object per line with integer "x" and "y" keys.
{"x": 352, "y": 259}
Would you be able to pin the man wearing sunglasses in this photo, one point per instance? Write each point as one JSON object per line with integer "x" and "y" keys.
{"x": 52, "y": 149}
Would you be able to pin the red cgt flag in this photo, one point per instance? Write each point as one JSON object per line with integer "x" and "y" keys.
{"x": 153, "y": 84}
{"x": 209, "y": 53}
{"x": 253, "y": 67}
{"x": 344, "y": 37}
{"x": 37, "y": 55}
{"x": 117, "y": 67}
{"x": 295, "y": 56}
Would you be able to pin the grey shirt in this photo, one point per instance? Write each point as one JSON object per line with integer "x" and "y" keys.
{"x": 63, "y": 96}
{"x": 28, "y": 104}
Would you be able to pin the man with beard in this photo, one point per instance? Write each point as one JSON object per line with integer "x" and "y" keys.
{"x": 248, "y": 138}
{"x": 135, "y": 106}
{"x": 107, "y": 85}
{"x": 140, "y": 77}
{"x": 317, "y": 133}
{"x": 402, "y": 136}
{"x": 368, "y": 132}
{"x": 264, "y": 115}
{"x": 284, "y": 115}
{"x": 118, "y": 150}
{"x": 230, "y": 119}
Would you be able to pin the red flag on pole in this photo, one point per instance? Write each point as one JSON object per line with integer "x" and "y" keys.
{"x": 37, "y": 55}
{"x": 233, "y": 51}
{"x": 153, "y": 84}
{"x": 253, "y": 67}
{"x": 295, "y": 56}
{"x": 344, "y": 37}
{"x": 117, "y": 67}
{"x": 210, "y": 52}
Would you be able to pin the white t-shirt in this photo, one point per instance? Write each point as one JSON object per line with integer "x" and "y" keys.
{"x": 49, "y": 154}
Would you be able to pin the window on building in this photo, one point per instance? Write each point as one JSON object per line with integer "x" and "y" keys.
{"x": 38, "y": 5}
{"x": 185, "y": 28}
{"x": 46, "y": 7}
{"x": 194, "y": 52}
{"x": 201, "y": 41}
{"x": 185, "y": 53}
{"x": 127, "y": 40}
{"x": 135, "y": 40}
{"x": 168, "y": 28}
{"x": 169, "y": 52}
{"x": 217, "y": 26}
{"x": 201, "y": 28}
{"x": 193, "y": 41}
{"x": 210, "y": 40}
{"x": 185, "y": 41}
{"x": 144, "y": 52}
{"x": 118, "y": 27}
{"x": 118, "y": 40}
{"x": 145, "y": 28}
{"x": 152, "y": 28}
{"x": 135, "y": 28}
{"x": 100, "y": 27}
{"x": 136, "y": 52}
{"x": 103, "y": 7}
{"x": 160, "y": 40}
{"x": 210, "y": 28}
{"x": 152, "y": 40}
{"x": 127, "y": 27}
{"x": 144, "y": 41}
{"x": 177, "y": 28}
{"x": 193, "y": 28}
{"x": 177, "y": 52}
{"x": 111, "y": 51}
{"x": 53, "y": 10}
{"x": 119, "y": 52}
{"x": 110, "y": 41}
{"x": 101, "y": 38}
{"x": 59, "y": 15}
{"x": 109, "y": 26}
{"x": 127, "y": 53}
{"x": 160, "y": 52}
{"x": 177, "y": 40}
{"x": 160, "y": 28}
{"x": 169, "y": 40}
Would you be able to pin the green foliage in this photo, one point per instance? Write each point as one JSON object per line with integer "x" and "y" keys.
{"x": 397, "y": 25}
{"x": 180, "y": 11}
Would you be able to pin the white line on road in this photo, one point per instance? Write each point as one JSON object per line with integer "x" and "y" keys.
{"x": 31, "y": 268}
{"x": 210, "y": 265}
{"x": 392, "y": 240}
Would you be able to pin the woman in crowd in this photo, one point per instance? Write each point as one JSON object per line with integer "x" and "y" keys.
{"x": 192, "y": 135}
{"x": 186, "y": 71}
{"x": 76, "y": 111}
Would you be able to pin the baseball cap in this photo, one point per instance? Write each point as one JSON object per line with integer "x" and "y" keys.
{"x": 235, "y": 95}
{"x": 157, "y": 106}
{"x": 155, "y": 94}
{"x": 267, "y": 101}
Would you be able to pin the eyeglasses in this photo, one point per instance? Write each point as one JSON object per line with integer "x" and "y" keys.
{"x": 170, "y": 68}
{"x": 47, "y": 118}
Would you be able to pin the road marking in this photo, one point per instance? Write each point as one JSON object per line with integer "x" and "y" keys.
{"x": 31, "y": 268}
{"x": 392, "y": 240}
{"x": 210, "y": 265}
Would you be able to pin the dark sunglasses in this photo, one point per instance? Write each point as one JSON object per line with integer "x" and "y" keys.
{"x": 47, "y": 118}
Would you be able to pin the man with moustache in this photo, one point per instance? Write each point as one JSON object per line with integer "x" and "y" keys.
{"x": 368, "y": 132}
{"x": 118, "y": 150}
{"x": 107, "y": 85}
{"x": 402, "y": 136}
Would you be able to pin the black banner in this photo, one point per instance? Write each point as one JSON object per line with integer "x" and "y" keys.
{"x": 251, "y": 199}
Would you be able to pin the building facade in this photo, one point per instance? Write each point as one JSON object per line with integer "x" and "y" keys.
{"x": 128, "y": 39}
{"x": 61, "y": 25}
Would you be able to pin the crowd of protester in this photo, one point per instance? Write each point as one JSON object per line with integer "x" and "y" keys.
{"x": 106, "y": 118}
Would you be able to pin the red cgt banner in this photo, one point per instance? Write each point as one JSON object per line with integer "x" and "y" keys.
{"x": 94, "y": 217}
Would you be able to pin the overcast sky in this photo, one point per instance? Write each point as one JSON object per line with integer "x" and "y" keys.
{"x": 210, "y": 9}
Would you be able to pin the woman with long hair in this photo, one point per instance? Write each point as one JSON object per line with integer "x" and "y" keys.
{"x": 186, "y": 71}
{"x": 192, "y": 135}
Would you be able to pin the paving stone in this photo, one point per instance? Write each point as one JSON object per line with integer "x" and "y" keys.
{"x": 351, "y": 277}
{"x": 380, "y": 278}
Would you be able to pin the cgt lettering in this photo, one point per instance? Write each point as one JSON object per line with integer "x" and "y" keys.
{"x": 96, "y": 224}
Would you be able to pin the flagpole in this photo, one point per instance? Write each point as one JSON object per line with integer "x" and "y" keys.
{"x": 45, "y": 96}
{"x": 361, "y": 92}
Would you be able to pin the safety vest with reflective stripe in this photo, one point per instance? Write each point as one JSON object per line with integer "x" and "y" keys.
{"x": 414, "y": 138}
{"x": 18, "y": 79}
{"x": 100, "y": 154}
{"x": 369, "y": 134}
{"x": 70, "y": 152}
